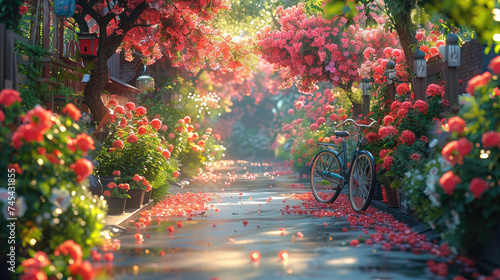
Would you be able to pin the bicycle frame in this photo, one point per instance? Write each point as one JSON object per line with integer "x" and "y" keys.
{"x": 346, "y": 170}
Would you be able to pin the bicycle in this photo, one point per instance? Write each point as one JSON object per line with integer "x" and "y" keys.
{"x": 330, "y": 172}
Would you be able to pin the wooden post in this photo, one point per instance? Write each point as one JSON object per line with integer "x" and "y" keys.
{"x": 391, "y": 91}
{"x": 452, "y": 88}
{"x": 419, "y": 85}
{"x": 366, "y": 105}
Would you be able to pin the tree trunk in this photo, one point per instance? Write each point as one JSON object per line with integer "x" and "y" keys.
{"x": 95, "y": 87}
{"x": 406, "y": 33}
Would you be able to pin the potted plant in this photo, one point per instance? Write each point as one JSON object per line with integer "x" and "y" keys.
{"x": 116, "y": 194}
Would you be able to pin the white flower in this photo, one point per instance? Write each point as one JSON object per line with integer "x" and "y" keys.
{"x": 456, "y": 217}
{"x": 434, "y": 171}
{"x": 433, "y": 143}
{"x": 60, "y": 198}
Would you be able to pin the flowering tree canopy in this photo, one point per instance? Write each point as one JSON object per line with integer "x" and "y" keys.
{"x": 313, "y": 49}
{"x": 178, "y": 30}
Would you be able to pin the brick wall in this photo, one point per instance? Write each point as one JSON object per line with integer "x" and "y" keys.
{"x": 472, "y": 62}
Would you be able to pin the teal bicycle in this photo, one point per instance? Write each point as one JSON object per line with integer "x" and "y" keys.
{"x": 330, "y": 171}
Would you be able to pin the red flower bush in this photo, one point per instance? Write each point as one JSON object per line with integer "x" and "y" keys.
{"x": 477, "y": 186}
{"x": 156, "y": 124}
{"x": 85, "y": 142}
{"x": 388, "y": 120}
{"x": 403, "y": 89}
{"x": 449, "y": 181}
{"x": 140, "y": 111}
{"x": 132, "y": 138}
{"x": 118, "y": 144}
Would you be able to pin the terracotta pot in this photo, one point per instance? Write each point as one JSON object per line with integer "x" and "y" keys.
{"x": 136, "y": 198}
{"x": 147, "y": 197}
{"x": 116, "y": 206}
{"x": 392, "y": 197}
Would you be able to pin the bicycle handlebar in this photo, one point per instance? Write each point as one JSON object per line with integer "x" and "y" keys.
{"x": 356, "y": 124}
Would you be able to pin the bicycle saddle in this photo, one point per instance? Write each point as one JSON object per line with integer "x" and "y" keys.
{"x": 341, "y": 133}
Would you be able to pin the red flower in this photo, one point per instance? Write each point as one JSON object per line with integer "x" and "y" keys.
{"x": 84, "y": 142}
{"x": 111, "y": 103}
{"x": 130, "y": 106}
{"x": 456, "y": 124}
{"x": 9, "y": 97}
{"x": 156, "y": 123}
{"x": 16, "y": 168}
{"x": 176, "y": 174}
{"x": 464, "y": 146}
{"x": 2, "y": 116}
{"x": 388, "y": 162}
{"x": 383, "y": 153}
{"x": 395, "y": 105}
{"x": 23, "y": 9}
{"x": 82, "y": 168}
{"x": 137, "y": 178}
{"x": 434, "y": 90}
{"x": 477, "y": 186}
{"x": 320, "y": 121}
{"x": 313, "y": 127}
{"x": 111, "y": 185}
{"x": 166, "y": 154}
{"x": 119, "y": 110}
{"x": 415, "y": 157}
{"x": 421, "y": 106}
{"x": 187, "y": 119}
{"x": 402, "y": 113}
{"x": 33, "y": 274}
{"x": 386, "y": 131}
{"x": 118, "y": 144}
{"x": 132, "y": 138}
{"x": 494, "y": 65}
{"x": 142, "y": 130}
{"x": 449, "y": 150}
{"x": 372, "y": 137}
{"x": 123, "y": 122}
{"x": 86, "y": 271}
{"x": 491, "y": 139}
{"x": 403, "y": 89}
{"x": 40, "y": 119}
{"x": 388, "y": 120}
{"x": 478, "y": 81}
{"x": 116, "y": 173}
{"x": 449, "y": 181}
{"x": 106, "y": 193}
{"x": 72, "y": 111}
{"x": 407, "y": 137}
{"x": 140, "y": 111}
{"x": 69, "y": 247}
{"x": 164, "y": 128}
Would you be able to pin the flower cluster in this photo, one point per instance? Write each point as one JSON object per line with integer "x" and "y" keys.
{"x": 46, "y": 153}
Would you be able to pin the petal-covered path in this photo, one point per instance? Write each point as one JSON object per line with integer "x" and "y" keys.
{"x": 250, "y": 226}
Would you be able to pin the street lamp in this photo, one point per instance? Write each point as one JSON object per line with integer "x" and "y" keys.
{"x": 450, "y": 53}
{"x": 420, "y": 68}
{"x": 365, "y": 88}
{"x": 145, "y": 82}
{"x": 421, "y": 64}
{"x": 390, "y": 72}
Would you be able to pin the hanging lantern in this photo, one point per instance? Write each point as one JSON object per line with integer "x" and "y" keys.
{"x": 88, "y": 44}
{"x": 145, "y": 82}
{"x": 64, "y": 8}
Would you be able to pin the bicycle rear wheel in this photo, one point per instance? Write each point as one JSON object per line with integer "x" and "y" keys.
{"x": 362, "y": 181}
{"x": 326, "y": 178}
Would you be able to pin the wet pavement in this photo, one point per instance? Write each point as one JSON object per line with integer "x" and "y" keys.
{"x": 244, "y": 217}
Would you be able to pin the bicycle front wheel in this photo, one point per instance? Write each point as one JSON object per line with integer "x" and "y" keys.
{"x": 362, "y": 181}
{"x": 326, "y": 179}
